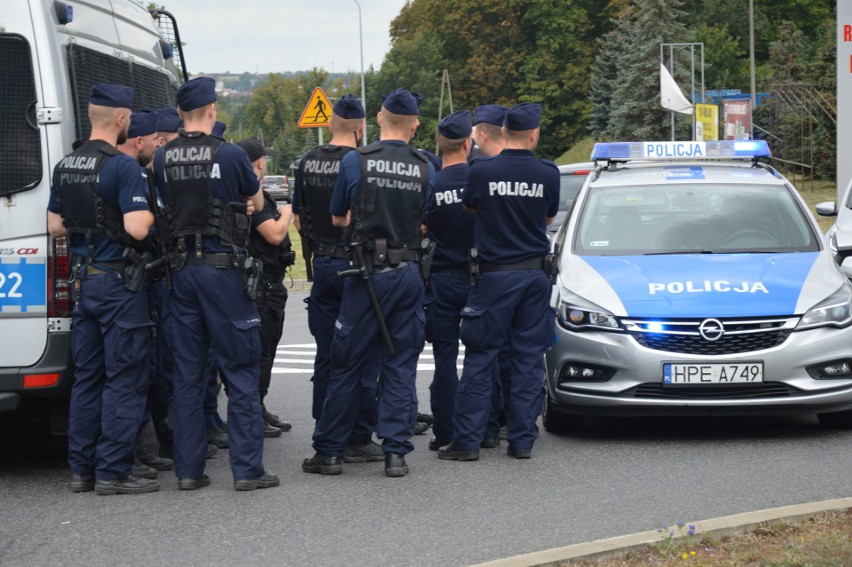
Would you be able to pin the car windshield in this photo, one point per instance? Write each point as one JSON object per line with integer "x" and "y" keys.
{"x": 273, "y": 180}
{"x": 692, "y": 219}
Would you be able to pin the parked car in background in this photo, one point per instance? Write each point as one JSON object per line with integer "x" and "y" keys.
{"x": 839, "y": 235}
{"x": 695, "y": 281}
{"x": 278, "y": 186}
{"x": 571, "y": 178}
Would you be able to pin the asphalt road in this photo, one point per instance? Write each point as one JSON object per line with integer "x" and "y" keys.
{"x": 618, "y": 477}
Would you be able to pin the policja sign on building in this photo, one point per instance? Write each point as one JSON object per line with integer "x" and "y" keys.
{"x": 317, "y": 113}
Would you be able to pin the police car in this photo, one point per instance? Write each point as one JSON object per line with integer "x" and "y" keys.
{"x": 694, "y": 281}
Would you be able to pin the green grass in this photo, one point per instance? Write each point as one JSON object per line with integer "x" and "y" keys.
{"x": 297, "y": 271}
{"x": 581, "y": 151}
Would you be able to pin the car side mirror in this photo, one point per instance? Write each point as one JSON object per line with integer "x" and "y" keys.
{"x": 827, "y": 209}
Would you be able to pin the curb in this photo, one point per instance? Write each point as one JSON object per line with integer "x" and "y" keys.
{"x": 619, "y": 546}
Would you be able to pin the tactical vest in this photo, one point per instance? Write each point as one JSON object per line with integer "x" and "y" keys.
{"x": 81, "y": 206}
{"x": 188, "y": 163}
{"x": 275, "y": 259}
{"x": 391, "y": 196}
{"x": 321, "y": 168}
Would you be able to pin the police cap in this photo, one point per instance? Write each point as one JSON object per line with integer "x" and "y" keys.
{"x": 524, "y": 116}
{"x": 107, "y": 94}
{"x": 456, "y": 126}
{"x": 196, "y": 93}
{"x": 490, "y": 113}
{"x": 402, "y": 102}
{"x": 349, "y": 107}
{"x": 168, "y": 120}
{"x": 253, "y": 148}
{"x": 219, "y": 128}
{"x": 142, "y": 123}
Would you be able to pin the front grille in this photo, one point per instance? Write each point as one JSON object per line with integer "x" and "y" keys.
{"x": 684, "y": 336}
{"x": 733, "y": 344}
{"x": 153, "y": 89}
{"x": 20, "y": 151}
{"x": 715, "y": 392}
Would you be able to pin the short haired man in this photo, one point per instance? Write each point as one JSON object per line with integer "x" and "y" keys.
{"x": 380, "y": 196}
{"x": 451, "y": 228}
{"x": 515, "y": 196}
{"x": 203, "y": 181}
{"x": 315, "y": 179}
{"x": 269, "y": 242}
{"x": 488, "y": 129}
{"x": 99, "y": 200}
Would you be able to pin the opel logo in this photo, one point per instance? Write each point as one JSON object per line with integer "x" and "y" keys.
{"x": 711, "y": 330}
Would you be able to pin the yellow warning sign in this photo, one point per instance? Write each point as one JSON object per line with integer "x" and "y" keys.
{"x": 317, "y": 112}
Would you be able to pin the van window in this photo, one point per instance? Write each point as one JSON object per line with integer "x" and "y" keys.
{"x": 87, "y": 67}
{"x": 20, "y": 151}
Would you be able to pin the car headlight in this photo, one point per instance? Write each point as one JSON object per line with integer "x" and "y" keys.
{"x": 577, "y": 314}
{"x": 835, "y": 310}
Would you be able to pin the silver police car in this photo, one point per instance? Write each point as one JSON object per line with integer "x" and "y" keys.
{"x": 694, "y": 281}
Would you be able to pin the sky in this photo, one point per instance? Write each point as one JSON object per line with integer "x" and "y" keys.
{"x": 262, "y": 36}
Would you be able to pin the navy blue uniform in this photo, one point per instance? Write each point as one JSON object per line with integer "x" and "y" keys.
{"x": 451, "y": 228}
{"x": 210, "y": 306}
{"x": 317, "y": 174}
{"x": 110, "y": 333}
{"x": 513, "y": 193}
{"x": 357, "y": 346}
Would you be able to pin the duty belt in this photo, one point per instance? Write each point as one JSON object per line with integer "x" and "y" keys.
{"x": 323, "y": 249}
{"x": 393, "y": 256}
{"x": 221, "y": 260}
{"x": 530, "y": 264}
{"x": 104, "y": 267}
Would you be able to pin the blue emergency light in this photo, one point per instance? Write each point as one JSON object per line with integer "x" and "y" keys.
{"x": 669, "y": 151}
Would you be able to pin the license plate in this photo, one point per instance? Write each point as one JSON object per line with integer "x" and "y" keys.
{"x": 23, "y": 286}
{"x": 713, "y": 373}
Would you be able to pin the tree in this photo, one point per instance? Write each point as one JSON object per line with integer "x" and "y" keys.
{"x": 636, "y": 110}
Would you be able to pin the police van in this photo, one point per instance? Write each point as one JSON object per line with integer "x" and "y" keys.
{"x": 694, "y": 281}
{"x": 51, "y": 53}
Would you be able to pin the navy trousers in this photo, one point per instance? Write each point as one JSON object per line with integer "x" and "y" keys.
{"x": 513, "y": 304}
{"x": 323, "y": 309}
{"x": 446, "y": 297}
{"x": 210, "y": 307}
{"x": 358, "y": 347}
{"x": 110, "y": 338}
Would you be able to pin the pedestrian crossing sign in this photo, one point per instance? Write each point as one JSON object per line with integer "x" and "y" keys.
{"x": 317, "y": 112}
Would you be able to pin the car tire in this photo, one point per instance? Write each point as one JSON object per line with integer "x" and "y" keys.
{"x": 556, "y": 422}
{"x": 836, "y": 420}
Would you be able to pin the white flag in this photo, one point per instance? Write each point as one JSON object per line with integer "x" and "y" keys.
{"x": 671, "y": 96}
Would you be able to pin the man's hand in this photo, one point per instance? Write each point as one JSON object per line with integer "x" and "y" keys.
{"x": 249, "y": 208}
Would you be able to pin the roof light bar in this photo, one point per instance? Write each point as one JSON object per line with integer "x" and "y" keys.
{"x": 668, "y": 151}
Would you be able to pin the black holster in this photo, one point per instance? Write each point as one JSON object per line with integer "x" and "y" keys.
{"x": 473, "y": 261}
{"x": 135, "y": 272}
{"x": 252, "y": 277}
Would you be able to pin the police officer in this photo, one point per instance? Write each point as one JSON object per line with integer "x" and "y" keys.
{"x": 451, "y": 228}
{"x": 515, "y": 195}
{"x": 168, "y": 123}
{"x": 99, "y": 200}
{"x": 315, "y": 178}
{"x": 380, "y": 195}
{"x": 488, "y": 129}
{"x": 269, "y": 242}
{"x": 140, "y": 145}
{"x": 204, "y": 182}
{"x": 489, "y": 141}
